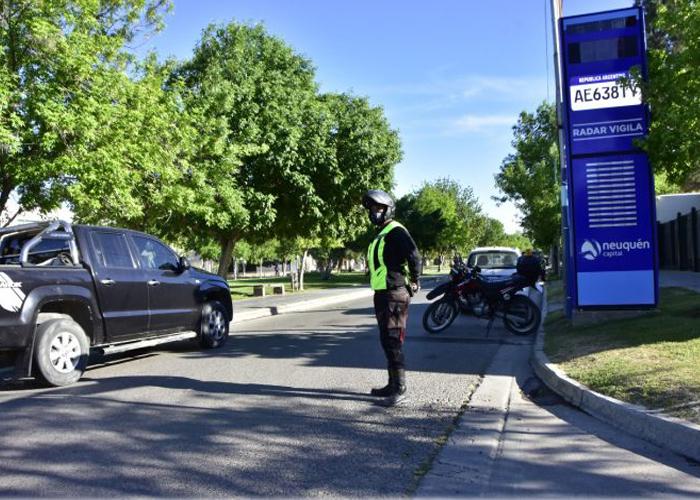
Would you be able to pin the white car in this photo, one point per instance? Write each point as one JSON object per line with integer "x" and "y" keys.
{"x": 494, "y": 261}
{"x": 501, "y": 263}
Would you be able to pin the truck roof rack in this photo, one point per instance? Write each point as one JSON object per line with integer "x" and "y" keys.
{"x": 37, "y": 225}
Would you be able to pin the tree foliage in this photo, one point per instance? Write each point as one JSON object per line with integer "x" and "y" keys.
{"x": 365, "y": 150}
{"x": 445, "y": 218}
{"x": 530, "y": 177}
{"x": 673, "y": 89}
{"x": 234, "y": 145}
{"x": 453, "y": 213}
{"x": 64, "y": 93}
{"x": 291, "y": 162}
{"x": 144, "y": 160}
{"x": 252, "y": 93}
{"x": 425, "y": 225}
{"x": 495, "y": 235}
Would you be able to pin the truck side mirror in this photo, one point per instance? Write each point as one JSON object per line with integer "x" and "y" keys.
{"x": 184, "y": 264}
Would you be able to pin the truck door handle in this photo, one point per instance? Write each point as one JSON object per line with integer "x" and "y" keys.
{"x": 107, "y": 282}
{"x": 153, "y": 282}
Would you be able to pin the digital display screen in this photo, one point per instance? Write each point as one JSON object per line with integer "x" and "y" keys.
{"x": 603, "y": 25}
{"x": 603, "y": 49}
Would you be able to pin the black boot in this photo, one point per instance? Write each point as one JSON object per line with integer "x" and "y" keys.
{"x": 387, "y": 390}
{"x": 400, "y": 394}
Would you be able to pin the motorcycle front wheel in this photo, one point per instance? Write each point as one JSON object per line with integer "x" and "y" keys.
{"x": 439, "y": 315}
{"x": 522, "y": 316}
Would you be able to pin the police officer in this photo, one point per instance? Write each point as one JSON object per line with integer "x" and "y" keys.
{"x": 395, "y": 265}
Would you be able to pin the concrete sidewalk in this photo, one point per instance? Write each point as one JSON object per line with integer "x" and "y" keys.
{"x": 467, "y": 464}
{"x": 517, "y": 440}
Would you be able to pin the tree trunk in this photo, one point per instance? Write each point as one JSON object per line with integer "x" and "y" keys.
{"x": 235, "y": 268}
{"x": 227, "y": 246}
{"x": 260, "y": 271}
{"x": 554, "y": 258}
{"x": 327, "y": 270}
{"x": 294, "y": 273}
{"x": 301, "y": 270}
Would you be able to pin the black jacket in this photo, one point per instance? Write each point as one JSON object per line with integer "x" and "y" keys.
{"x": 399, "y": 248}
{"x": 530, "y": 267}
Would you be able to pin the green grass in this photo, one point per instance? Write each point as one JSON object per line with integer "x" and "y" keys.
{"x": 652, "y": 360}
{"x": 555, "y": 290}
{"x": 243, "y": 288}
{"x": 432, "y": 270}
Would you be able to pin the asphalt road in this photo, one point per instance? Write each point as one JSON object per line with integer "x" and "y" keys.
{"x": 282, "y": 410}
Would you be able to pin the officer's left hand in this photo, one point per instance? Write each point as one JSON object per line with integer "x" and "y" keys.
{"x": 415, "y": 287}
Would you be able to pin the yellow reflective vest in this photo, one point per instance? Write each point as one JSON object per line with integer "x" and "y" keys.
{"x": 375, "y": 255}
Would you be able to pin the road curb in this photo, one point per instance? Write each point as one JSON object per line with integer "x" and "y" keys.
{"x": 679, "y": 436}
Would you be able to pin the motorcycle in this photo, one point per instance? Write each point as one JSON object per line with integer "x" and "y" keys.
{"x": 469, "y": 292}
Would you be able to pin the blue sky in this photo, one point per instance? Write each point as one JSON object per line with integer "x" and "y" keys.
{"x": 451, "y": 75}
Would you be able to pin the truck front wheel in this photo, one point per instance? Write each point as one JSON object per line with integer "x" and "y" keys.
{"x": 61, "y": 352}
{"x": 213, "y": 330}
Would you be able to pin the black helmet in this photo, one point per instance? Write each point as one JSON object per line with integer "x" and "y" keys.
{"x": 379, "y": 197}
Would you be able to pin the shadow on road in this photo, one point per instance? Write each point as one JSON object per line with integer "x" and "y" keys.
{"x": 199, "y": 438}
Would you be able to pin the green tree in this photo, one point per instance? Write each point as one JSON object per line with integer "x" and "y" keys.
{"x": 253, "y": 93}
{"x": 363, "y": 150}
{"x": 261, "y": 251}
{"x": 293, "y": 163}
{"x": 359, "y": 245}
{"x": 62, "y": 83}
{"x": 302, "y": 161}
{"x": 328, "y": 253}
{"x": 454, "y": 211}
{"x": 495, "y": 235}
{"x": 347, "y": 148}
{"x": 530, "y": 177}
{"x": 425, "y": 227}
{"x": 360, "y": 151}
{"x": 663, "y": 186}
{"x": 139, "y": 184}
{"x": 673, "y": 89}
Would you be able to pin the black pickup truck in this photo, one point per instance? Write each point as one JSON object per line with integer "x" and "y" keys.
{"x": 68, "y": 289}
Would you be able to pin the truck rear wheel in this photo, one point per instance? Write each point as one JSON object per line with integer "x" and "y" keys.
{"x": 213, "y": 329}
{"x": 61, "y": 352}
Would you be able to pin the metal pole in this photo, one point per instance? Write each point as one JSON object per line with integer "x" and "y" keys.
{"x": 556, "y": 15}
{"x": 556, "y": 10}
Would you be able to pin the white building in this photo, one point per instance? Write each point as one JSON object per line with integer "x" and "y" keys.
{"x": 669, "y": 205}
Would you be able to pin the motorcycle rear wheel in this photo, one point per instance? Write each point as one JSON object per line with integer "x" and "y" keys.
{"x": 522, "y": 316}
{"x": 439, "y": 315}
